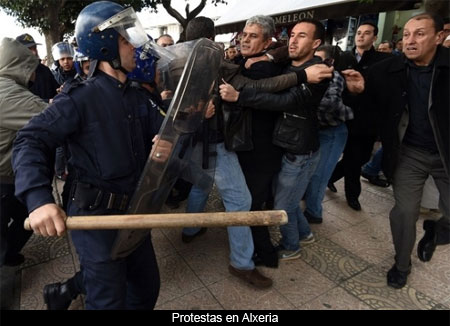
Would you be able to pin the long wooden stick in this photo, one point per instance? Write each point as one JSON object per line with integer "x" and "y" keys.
{"x": 150, "y": 221}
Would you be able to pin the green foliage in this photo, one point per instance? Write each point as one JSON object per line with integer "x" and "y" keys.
{"x": 46, "y": 15}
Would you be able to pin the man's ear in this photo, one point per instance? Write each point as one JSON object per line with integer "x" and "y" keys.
{"x": 267, "y": 43}
{"x": 440, "y": 37}
{"x": 316, "y": 44}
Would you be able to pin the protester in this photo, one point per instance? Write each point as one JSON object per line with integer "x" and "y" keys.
{"x": 415, "y": 135}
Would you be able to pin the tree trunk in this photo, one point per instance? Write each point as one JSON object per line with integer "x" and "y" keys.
{"x": 56, "y": 32}
{"x": 48, "y": 46}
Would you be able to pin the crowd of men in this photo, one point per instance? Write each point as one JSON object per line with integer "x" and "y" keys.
{"x": 281, "y": 119}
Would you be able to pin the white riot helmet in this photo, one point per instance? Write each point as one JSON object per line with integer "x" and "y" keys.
{"x": 62, "y": 50}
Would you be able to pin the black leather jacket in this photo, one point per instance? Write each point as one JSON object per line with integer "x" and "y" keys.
{"x": 299, "y": 101}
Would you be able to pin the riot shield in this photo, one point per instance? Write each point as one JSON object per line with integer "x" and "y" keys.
{"x": 171, "y": 153}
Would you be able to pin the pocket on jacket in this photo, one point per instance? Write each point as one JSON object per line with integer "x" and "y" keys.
{"x": 112, "y": 146}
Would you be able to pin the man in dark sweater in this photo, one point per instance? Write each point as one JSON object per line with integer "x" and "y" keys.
{"x": 415, "y": 137}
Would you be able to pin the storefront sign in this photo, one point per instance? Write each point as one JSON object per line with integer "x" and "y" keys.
{"x": 293, "y": 18}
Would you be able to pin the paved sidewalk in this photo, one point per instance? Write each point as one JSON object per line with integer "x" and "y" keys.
{"x": 344, "y": 269}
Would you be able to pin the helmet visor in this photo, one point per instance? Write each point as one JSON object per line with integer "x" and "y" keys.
{"x": 62, "y": 50}
{"x": 127, "y": 24}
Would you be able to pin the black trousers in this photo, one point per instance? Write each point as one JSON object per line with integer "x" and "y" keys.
{"x": 13, "y": 236}
{"x": 260, "y": 186}
{"x": 357, "y": 152}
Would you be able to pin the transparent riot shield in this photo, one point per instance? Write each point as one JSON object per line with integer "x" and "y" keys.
{"x": 172, "y": 153}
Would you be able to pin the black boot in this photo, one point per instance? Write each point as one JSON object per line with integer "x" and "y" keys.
{"x": 427, "y": 244}
{"x": 396, "y": 278}
{"x": 58, "y": 296}
{"x": 354, "y": 204}
{"x": 331, "y": 187}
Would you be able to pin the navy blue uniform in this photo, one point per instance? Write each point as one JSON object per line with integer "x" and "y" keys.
{"x": 108, "y": 127}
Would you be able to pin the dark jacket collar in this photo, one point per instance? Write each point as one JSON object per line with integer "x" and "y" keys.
{"x": 442, "y": 57}
{"x": 315, "y": 59}
{"x": 371, "y": 50}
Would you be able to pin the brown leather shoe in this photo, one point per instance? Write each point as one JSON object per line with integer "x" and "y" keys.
{"x": 253, "y": 276}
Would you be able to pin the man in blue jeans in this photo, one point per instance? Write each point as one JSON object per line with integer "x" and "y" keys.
{"x": 371, "y": 170}
{"x": 332, "y": 114}
{"x": 228, "y": 175}
{"x": 230, "y": 182}
{"x": 297, "y": 103}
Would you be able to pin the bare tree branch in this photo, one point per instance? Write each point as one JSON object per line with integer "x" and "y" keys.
{"x": 171, "y": 11}
{"x": 196, "y": 11}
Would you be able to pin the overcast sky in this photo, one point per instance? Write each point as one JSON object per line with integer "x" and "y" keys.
{"x": 9, "y": 27}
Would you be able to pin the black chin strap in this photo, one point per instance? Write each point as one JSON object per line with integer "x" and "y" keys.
{"x": 116, "y": 64}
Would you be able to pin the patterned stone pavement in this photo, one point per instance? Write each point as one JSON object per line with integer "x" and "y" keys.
{"x": 344, "y": 269}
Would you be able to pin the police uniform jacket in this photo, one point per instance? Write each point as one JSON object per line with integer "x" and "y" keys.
{"x": 108, "y": 127}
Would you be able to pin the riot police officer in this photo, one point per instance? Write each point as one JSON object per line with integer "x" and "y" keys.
{"x": 108, "y": 128}
{"x": 63, "y": 69}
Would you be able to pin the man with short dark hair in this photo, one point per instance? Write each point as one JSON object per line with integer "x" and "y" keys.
{"x": 446, "y": 28}
{"x": 231, "y": 54}
{"x": 415, "y": 134}
{"x": 299, "y": 105}
{"x": 362, "y": 131}
{"x": 385, "y": 47}
{"x": 398, "y": 47}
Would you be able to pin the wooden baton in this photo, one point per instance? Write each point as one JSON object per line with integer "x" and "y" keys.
{"x": 151, "y": 221}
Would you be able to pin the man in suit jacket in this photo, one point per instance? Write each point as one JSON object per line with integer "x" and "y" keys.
{"x": 414, "y": 131}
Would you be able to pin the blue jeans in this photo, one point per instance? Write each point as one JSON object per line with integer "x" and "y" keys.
{"x": 230, "y": 183}
{"x": 293, "y": 179}
{"x": 332, "y": 143}
{"x": 373, "y": 167}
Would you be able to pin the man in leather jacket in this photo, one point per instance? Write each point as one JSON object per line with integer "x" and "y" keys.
{"x": 297, "y": 103}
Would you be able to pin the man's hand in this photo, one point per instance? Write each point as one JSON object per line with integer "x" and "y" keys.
{"x": 48, "y": 220}
{"x": 251, "y": 61}
{"x": 316, "y": 73}
{"x": 166, "y": 94}
{"x": 354, "y": 80}
{"x": 210, "y": 110}
{"x": 228, "y": 93}
{"x": 161, "y": 149}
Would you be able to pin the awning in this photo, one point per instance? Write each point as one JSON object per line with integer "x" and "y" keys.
{"x": 290, "y": 11}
